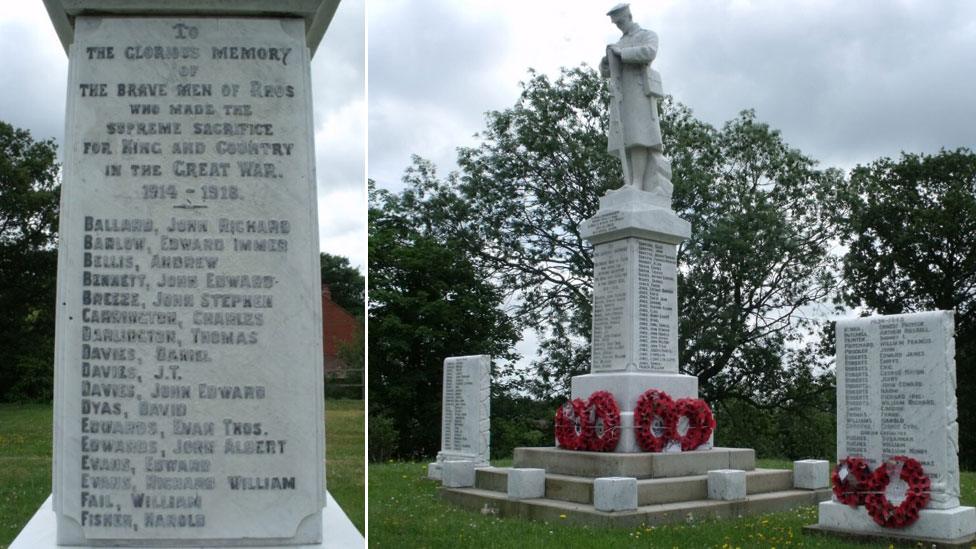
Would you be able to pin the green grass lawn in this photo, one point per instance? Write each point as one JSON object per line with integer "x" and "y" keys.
{"x": 25, "y": 465}
{"x": 404, "y": 511}
{"x": 345, "y": 452}
{"x": 25, "y": 461}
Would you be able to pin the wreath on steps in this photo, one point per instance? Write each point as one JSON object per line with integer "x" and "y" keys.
{"x": 603, "y": 418}
{"x": 572, "y": 425}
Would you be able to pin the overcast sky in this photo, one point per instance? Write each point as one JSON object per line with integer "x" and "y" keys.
{"x": 33, "y": 80}
{"x": 846, "y": 82}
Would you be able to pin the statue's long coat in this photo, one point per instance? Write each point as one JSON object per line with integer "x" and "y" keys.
{"x": 635, "y": 88}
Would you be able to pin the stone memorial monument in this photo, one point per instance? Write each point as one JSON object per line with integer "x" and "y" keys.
{"x": 635, "y": 443}
{"x": 635, "y": 235}
{"x": 465, "y": 412}
{"x": 896, "y": 401}
{"x": 188, "y": 377}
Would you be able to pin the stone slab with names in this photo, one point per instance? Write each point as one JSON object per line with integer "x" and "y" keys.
{"x": 465, "y": 412}
{"x": 896, "y": 396}
{"x": 188, "y": 390}
{"x": 635, "y": 304}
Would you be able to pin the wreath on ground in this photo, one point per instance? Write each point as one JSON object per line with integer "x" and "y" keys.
{"x": 572, "y": 425}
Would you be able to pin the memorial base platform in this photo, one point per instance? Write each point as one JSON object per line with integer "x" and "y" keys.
{"x": 940, "y": 528}
{"x": 670, "y": 487}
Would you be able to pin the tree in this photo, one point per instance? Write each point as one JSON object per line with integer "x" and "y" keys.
{"x": 29, "y": 194}
{"x": 427, "y": 302}
{"x": 759, "y": 254}
{"x": 910, "y": 229}
{"x": 345, "y": 282}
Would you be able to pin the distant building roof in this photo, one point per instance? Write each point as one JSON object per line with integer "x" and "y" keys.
{"x": 338, "y": 327}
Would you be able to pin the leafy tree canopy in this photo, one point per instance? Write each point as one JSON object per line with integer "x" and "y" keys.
{"x": 345, "y": 282}
{"x": 910, "y": 230}
{"x": 427, "y": 302}
{"x": 29, "y": 194}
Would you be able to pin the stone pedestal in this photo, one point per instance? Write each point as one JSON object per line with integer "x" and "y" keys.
{"x": 635, "y": 304}
{"x": 811, "y": 474}
{"x": 525, "y": 483}
{"x": 458, "y": 474}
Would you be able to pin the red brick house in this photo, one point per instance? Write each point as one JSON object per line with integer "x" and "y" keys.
{"x": 338, "y": 327}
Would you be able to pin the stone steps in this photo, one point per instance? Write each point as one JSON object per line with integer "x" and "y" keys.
{"x": 649, "y": 491}
{"x": 553, "y": 510}
{"x": 637, "y": 465}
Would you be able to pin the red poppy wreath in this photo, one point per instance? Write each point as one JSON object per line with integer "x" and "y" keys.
{"x": 572, "y": 425}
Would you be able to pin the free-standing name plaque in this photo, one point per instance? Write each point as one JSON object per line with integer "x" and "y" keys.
{"x": 465, "y": 412}
{"x": 896, "y": 395}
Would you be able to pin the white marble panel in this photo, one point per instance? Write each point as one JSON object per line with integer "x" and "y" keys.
{"x": 635, "y": 306}
{"x": 896, "y": 395}
{"x": 466, "y": 409}
{"x": 189, "y": 401}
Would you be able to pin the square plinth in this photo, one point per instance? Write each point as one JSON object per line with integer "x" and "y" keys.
{"x": 526, "y": 483}
{"x": 811, "y": 474}
{"x": 727, "y": 484}
{"x": 615, "y": 494}
{"x": 457, "y": 474}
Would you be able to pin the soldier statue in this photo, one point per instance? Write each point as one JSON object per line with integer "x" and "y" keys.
{"x": 635, "y": 129}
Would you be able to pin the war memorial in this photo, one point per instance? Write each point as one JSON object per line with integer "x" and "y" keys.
{"x": 634, "y": 445}
{"x": 188, "y": 377}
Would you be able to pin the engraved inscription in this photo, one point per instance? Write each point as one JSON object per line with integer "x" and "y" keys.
{"x": 189, "y": 350}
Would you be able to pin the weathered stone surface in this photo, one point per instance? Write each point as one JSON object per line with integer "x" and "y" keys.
{"x": 457, "y": 473}
{"x": 626, "y": 388}
{"x": 615, "y": 494}
{"x": 945, "y": 524}
{"x": 811, "y": 474}
{"x": 465, "y": 411}
{"x": 639, "y": 465}
{"x": 552, "y": 511}
{"x": 189, "y": 393}
{"x": 629, "y": 212}
{"x": 727, "y": 484}
{"x": 896, "y": 395}
{"x": 525, "y": 483}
